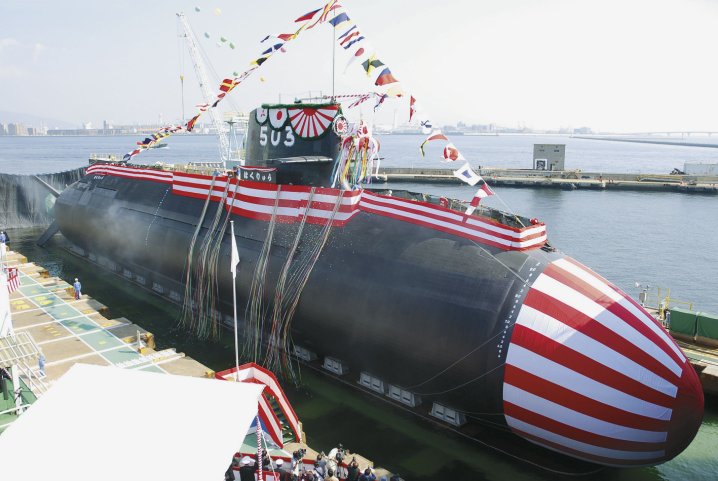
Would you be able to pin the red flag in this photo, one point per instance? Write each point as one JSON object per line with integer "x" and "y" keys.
{"x": 484, "y": 191}
{"x": 385, "y": 77}
{"x": 412, "y": 107}
{"x": 451, "y": 153}
{"x": 349, "y": 37}
{"x": 435, "y": 135}
{"x": 228, "y": 84}
{"x": 307, "y": 16}
{"x": 190, "y": 124}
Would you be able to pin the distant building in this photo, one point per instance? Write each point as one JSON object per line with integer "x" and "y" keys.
{"x": 16, "y": 129}
{"x": 583, "y": 131}
{"x": 698, "y": 168}
{"x": 3, "y": 129}
{"x": 549, "y": 156}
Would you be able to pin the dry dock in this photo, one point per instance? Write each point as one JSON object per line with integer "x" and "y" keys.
{"x": 566, "y": 180}
{"x": 69, "y": 331}
{"x": 705, "y": 362}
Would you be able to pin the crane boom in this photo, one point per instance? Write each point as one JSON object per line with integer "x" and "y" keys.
{"x": 204, "y": 86}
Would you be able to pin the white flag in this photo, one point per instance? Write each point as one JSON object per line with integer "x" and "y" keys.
{"x": 451, "y": 153}
{"x": 234, "y": 261}
{"x": 467, "y": 175}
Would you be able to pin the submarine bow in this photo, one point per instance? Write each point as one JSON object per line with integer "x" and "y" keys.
{"x": 591, "y": 374}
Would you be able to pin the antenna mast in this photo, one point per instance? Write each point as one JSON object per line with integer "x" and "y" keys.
{"x": 204, "y": 86}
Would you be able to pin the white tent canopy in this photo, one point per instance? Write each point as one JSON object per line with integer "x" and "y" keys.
{"x": 115, "y": 424}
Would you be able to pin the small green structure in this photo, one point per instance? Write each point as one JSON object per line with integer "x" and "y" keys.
{"x": 683, "y": 324}
{"x": 707, "y": 329}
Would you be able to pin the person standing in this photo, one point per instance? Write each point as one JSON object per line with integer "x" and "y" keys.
{"x": 3, "y": 237}
{"x": 330, "y": 475}
{"x": 368, "y": 475}
{"x": 353, "y": 470}
{"x": 246, "y": 471}
{"x": 41, "y": 364}
{"x": 283, "y": 474}
{"x": 78, "y": 288}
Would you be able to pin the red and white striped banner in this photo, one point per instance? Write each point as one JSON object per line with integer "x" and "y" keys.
{"x": 591, "y": 374}
{"x": 254, "y": 373}
{"x": 198, "y": 186}
{"x": 13, "y": 279}
{"x": 130, "y": 172}
{"x": 256, "y": 200}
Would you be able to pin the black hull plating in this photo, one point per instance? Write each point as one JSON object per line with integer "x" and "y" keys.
{"x": 393, "y": 299}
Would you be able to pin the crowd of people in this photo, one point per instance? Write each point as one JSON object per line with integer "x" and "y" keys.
{"x": 332, "y": 467}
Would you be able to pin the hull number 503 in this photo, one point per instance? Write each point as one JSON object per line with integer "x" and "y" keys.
{"x": 275, "y": 136}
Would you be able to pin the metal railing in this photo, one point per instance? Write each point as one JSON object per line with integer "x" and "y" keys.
{"x": 32, "y": 380}
{"x": 655, "y": 297}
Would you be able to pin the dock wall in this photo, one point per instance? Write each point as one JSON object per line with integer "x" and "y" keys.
{"x": 566, "y": 180}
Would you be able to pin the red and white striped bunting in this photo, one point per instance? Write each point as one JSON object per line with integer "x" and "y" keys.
{"x": 254, "y": 373}
{"x": 589, "y": 372}
{"x": 13, "y": 279}
{"x": 256, "y": 200}
{"x": 130, "y": 172}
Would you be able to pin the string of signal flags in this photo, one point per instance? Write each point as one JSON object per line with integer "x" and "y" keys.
{"x": 354, "y": 42}
{"x": 360, "y": 51}
{"x": 306, "y": 21}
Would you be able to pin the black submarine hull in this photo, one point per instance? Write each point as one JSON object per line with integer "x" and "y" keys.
{"x": 393, "y": 299}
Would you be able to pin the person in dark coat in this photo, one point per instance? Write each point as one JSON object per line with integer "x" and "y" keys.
{"x": 282, "y": 474}
{"x": 353, "y": 471}
{"x": 368, "y": 475}
{"x": 229, "y": 474}
{"x": 246, "y": 471}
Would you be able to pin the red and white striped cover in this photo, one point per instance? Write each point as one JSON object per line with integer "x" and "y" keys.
{"x": 13, "y": 279}
{"x": 440, "y": 218}
{"x": 197, "y": 186}
{"x": 256, "y": 200}
{"x": 130, "y": 172}
{"x": 309, "y": 122}
{"x": 589, "y": 373}
{"x": 254, "y": 373}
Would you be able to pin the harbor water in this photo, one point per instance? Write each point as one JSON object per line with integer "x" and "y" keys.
{"x": 661, "y": 239}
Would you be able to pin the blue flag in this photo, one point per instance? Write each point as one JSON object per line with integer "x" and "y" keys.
{"x": 341, "y": 18}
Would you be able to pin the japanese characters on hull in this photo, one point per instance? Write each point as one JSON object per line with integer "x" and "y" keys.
{"x": 297, "y": 140}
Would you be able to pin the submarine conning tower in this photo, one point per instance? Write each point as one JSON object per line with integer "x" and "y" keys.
{"x": 298, "y": 140}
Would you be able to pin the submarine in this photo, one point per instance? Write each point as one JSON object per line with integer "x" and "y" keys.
{"x": 477, "y": 313}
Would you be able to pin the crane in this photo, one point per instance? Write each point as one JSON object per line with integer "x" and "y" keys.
{"x": 204, "y": 86}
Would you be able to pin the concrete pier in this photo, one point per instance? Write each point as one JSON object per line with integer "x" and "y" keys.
{"x": 705, "y": 361}
{"x": 566, "y": 180}
{"x": 69, "y": 331}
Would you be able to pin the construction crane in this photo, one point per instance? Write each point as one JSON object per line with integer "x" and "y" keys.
{"x": 204, "y": 86}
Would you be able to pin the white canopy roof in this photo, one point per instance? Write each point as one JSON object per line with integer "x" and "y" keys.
{"x": 115, "y": 424}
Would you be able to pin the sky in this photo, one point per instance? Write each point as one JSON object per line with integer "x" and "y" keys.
{"x": 612, "y": 65}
